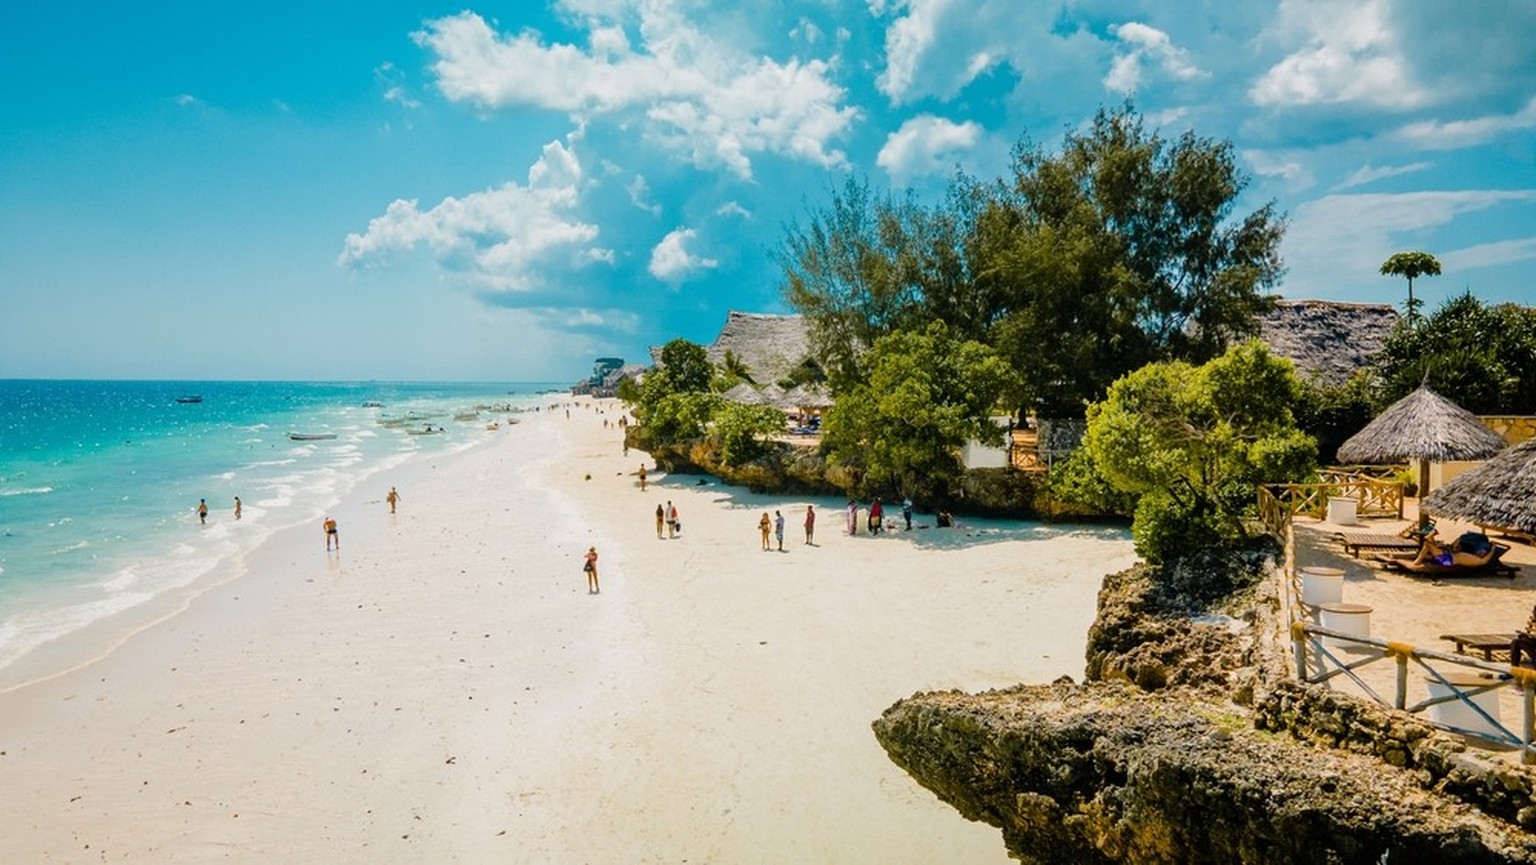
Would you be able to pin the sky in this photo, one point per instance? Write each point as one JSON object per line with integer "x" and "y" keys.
{"x": 478, "y": 191}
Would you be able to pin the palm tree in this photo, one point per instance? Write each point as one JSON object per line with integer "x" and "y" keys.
{"x": 1411, "y": 265}
{"x": 733, "y": 368}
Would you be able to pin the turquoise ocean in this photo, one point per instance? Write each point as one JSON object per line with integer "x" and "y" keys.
{"x": 100, "y": 480}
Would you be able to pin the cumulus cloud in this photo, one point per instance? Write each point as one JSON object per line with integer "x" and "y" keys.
{"x": 497, "y": 237}
{"x": 1143, "y": 47}
{"x": 699, "y": 95}
{"x": 672, "y": 262}
{"x": 926, "y": 145}
{"x": 1348, "y": 53}
{"x": 1285, "y": 166}
{"x": 1453, "y": 134}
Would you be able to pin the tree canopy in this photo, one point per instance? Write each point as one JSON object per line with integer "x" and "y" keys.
{"x": 1411, "y": 265}
{"x": 918, "y": 398}
{"x": 1191, "y": 441}
{"x": 1481, "y": 357}
{"x": 1081, "y": 265}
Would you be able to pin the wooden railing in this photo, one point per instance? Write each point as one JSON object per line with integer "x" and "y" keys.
{"x": 1317, "y": 657}
{"x": 1372, "y": 497}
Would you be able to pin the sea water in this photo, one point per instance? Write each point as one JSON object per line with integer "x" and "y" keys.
{"x": 100, "y": 480}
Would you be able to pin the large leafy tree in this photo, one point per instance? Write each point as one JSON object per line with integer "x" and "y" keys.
{"x": 1411, "y": 265}
{"x": 1482, "y": 357}
{"x": 1122, "y": 248}
{"x": 684, "y": 371}
{"x": 1191, "y": 441}
{"x": 918, "y": 398}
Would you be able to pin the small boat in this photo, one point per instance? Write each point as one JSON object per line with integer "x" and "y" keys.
{"x": 311, "y": 437}
{"x": 467, "y": 415}
{"x": 373, "y": 403}
{"x": 191, "y": 398}
{"x": 428, "y": 431}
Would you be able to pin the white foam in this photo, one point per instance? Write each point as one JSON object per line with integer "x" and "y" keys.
{"x": 32, "y": 491}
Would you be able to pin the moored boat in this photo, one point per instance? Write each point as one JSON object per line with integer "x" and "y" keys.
{"x": 311, "y": 437}
{"x": 190, "y": 398}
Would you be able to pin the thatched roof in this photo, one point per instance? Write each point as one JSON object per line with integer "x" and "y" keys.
{"x": 806, "y": 396}
{"x": 1327, "y": 340}
{"x": 745, "y": 394}
{"x": 1422, "y": 426}
{"x": 771, "y": 346}
{"x": 1501, "y": 492}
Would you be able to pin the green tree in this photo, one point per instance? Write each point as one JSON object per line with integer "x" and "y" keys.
{"x": 1411, "y": 265}
{"x": 1192, "y": 441}
{"x": 740, "y": 431}
{"x": 1481, "y": 357}
{"x": 1122, "y": 248}
{"x": 918, "y": 398}
{"x": 732, "y": 371}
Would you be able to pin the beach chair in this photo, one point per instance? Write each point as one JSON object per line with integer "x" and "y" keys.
{"x": 1354, "y": 542}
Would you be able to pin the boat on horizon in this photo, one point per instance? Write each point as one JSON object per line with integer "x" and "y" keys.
{"x": 311, "y": 437}
{"x": 190, "y": 398}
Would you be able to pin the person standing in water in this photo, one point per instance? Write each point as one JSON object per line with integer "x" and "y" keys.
{"x": 202, "y": 511}
{"x": 237, "y": 507}
{"x": 591, "y": 570}
{"x": 393, "y": 498}
{"x": 330, "y": 534}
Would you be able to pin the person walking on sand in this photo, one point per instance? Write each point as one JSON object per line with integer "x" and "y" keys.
{"x": 810, "y": 524}
{"x": 202, "y": 511}
{"x": 591, "y": 570}
{"x": 906, "y": 512}
{"x": 331, "y": 537}
{"x": 237, "y": 507}
{"x": 762, "y": 526}
{"x": 642, "y": 477}
{"x": 673, "y": 524}
{"x": 393, "y": 498}
{"x": 661, "y": 519}
{"x": 778, "y": 528}
{"x": 853, "y": 517}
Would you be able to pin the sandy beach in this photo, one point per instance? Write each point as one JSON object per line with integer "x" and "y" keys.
{"x": 444, "y": 689}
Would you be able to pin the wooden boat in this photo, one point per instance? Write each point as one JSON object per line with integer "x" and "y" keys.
{"x": 311, "y": 437}
{"x": 191, "y": 398}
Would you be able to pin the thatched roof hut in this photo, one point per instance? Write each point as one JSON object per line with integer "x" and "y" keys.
{"x": 1423, "y": 426}
{"x": 745, "y": 394}
{"x": 805, "y": 396}
{"x": 1327, "y": 340}
{"x": 1501, "y": 492}
{"x": 770, "y": 346}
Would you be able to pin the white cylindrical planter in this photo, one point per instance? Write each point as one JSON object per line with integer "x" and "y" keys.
{"x": 1458, "y": 715}
{"x": 1322, "y": 586}
{"x": 1342, "y": 511}
{"x": 1354, "y": 619}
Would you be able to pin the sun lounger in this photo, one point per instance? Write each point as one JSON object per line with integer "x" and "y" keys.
{"x": 1490, "y": 566}
{"x": 1354, "y": 542}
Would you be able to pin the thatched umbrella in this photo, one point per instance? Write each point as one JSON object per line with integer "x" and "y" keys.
{"x": 1501, "y": 492}
{"x": 1422, "y": 426}
{"x": 804, "y": 396}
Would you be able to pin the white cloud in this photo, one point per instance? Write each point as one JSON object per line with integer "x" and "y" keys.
{"x": 1342, "y": 239}
{"x": 1148, "y": 46}
{"x": 497, "y": 237}
{"x": 732, "y": 208}
{"x": 701, "y": 96}
{"x": 640, "y": 195}
{"x": 187, "y": 100}
{"x": 672, "y": 262}
{"x": 1490, "y": 254}
{"x": 1370, "y": 173}
{"x": 1286, "y": 166}
{"x": 1450, "y": 135}
{"x": 926, "y": 145}
{"x": 1349, "y": 54}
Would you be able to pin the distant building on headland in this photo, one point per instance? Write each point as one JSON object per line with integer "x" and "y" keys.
{"x": 607, "y": 372}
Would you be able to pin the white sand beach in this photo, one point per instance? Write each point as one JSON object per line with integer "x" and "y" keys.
{"x": 444, "y": 689}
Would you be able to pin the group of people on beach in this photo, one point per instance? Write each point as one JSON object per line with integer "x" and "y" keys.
{"x": 776, "y": 525}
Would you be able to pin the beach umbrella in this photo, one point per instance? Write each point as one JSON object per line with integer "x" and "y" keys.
{"x": 1501, "y": 492}
{"x": 807, "y": 396}
{"x": 1423, "y": 426}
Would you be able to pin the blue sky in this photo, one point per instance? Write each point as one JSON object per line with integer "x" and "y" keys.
{"x": 494, "y": 191}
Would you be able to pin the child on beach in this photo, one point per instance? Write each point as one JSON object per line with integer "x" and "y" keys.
{"x": 591, "y": 570}
{"x": 330, "y": 534}
{"x": 762, "y": 526}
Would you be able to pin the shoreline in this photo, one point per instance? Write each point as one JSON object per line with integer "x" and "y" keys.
{"x": 444, "y": 689}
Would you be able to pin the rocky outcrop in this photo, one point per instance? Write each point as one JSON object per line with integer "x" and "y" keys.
{"x": 1189, "y": 744}
{"x": 1108, "y": 773}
